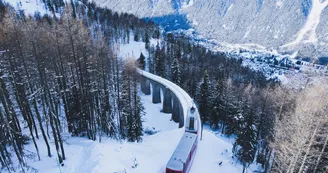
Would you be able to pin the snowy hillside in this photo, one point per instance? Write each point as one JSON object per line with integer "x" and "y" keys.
{"x": 150, "y": 156}
{"x": 285, "y": 25}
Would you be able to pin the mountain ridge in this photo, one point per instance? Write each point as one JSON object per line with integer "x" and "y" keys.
{"x": 288, "y": 26}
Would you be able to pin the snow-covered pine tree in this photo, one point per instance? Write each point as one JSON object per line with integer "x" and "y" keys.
{"x": 219, "y": 104}
{"x": 138, "y": 113}
{"x": 126, "y": 121}
{"x": 204, "y": 98}
{"x": 233, "y": 111}
{"x": 176, "y": 73}
{"x": 245, "y": 145}
{"x": 132, "y": 110}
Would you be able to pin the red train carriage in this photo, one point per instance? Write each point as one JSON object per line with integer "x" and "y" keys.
{"x": 182, "y": 157}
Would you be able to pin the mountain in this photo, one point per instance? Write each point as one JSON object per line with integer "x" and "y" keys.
{"x": 287, "y": 26}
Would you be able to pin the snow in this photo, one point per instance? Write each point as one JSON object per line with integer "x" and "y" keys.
{"x": 308, "y": 33}
{"x": 29, "y": 6}
{"x": 279, "y": 3}
{"x": 151, "y": 155}
{"x": 214, "y": 149}
{"x": 187, "y": 4}
{"x": 133, "y": 49}
{"x": 109, "y": 155}
{"x": 283, "y": 79}
{"x": 151, "y": 121}
{"x": 229, "y": 8}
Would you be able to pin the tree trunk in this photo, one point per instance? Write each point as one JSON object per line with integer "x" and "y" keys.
{"x": 60, "y": 159}
{"x": 320, "y": 155}
{"x": 57, "y": 123}
{"x": 41, "y": 127}
{"x": 309, "y": 147}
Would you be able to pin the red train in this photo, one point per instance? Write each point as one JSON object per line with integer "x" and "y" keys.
{"x": 183, "y": 156}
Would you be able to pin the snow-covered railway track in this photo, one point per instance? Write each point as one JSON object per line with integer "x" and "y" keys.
{"x": 181, "y": 160}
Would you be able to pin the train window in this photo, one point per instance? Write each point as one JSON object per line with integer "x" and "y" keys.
{"x": 171, "y": 171}
{"x": 192, "y": 109}
{"x": 191, "y": 123}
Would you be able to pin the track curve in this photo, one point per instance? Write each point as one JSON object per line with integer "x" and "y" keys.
{"x": 184, "y": 98}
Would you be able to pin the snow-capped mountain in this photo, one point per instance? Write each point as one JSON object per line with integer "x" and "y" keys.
{"x": 288, "y": 26}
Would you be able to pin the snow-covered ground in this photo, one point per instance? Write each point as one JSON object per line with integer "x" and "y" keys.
{"x": 151, "y": 155}
{"x": 83, "y": 155}
{"x": 132, "y": 50}
{"x": 29, "y": 6}
{"x": 214, "y": 155}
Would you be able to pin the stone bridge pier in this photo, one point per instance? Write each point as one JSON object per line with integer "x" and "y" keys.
{"x": 145, "y": 85}
{"x": 156, "y": 92}
{"x": 167, "y": 101}
{"x": 171, "y": 103}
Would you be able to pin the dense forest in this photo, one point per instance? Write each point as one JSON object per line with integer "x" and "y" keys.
{"x": 61, "y": 73}
{"x": 283, "y": 129}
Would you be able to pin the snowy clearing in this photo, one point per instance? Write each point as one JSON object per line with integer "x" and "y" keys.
{"x": 29, "y": 6}
{"x": 132, "y": 50}
{"x": 212, "y": 151}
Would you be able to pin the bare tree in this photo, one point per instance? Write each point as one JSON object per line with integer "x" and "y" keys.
{"x": 296, "y": 131}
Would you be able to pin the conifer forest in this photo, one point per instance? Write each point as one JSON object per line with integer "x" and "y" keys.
{"x": 60, "y": 74}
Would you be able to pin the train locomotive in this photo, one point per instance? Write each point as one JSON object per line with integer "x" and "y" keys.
{"x": 182, "y": 158}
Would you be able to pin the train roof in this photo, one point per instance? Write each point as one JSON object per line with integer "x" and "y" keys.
{"x": 181, "y": 153}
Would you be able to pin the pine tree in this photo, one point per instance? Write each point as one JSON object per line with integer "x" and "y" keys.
{"x": 151, "y": 60}
{"x": 138, "y": 113}
{"x": 132, "y": 106}
{"x": 159, "y": 62}
{"x": 136, "y": 35}
{"x": 245, "y": 145}
{"x": 176, "y": 73}
{"x": 204, "y": 98}
{"x": 2, "y": 9}
{"x": 147, "y": 41}
{"x": 142, "y": 61}
{"x": 219, "y": 104}
{"x": 126, "y": 118}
